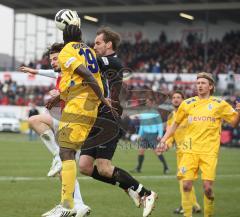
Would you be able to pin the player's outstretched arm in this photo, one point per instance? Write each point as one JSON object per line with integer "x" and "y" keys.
{"x": 44, "y": 72}
{"x": 28, "y": 70}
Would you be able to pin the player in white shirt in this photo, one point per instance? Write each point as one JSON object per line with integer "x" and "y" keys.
{"x": 44, "y": 124}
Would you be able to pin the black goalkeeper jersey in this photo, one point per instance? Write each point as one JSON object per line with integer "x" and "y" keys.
{"x": 112, "y": 77}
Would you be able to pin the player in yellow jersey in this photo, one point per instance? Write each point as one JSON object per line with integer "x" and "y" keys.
{"x": 177, "y": 139}
{"x": 204, "y": 114}
{"x": 82, "y": 90}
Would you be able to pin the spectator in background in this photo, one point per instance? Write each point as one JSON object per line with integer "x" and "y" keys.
{"x": 236, "y": 137}
{"x": 11, "y": 96}
{"x": 162, "y": 80}
{"x": 178, "y": 77}
{"x": 156, "y": 67}
{"x": 33, "y": 111}
{"x": 230, "y": 82}
{"x": 163, "y": 37}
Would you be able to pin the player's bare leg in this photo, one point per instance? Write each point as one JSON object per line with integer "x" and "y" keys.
{"x": 43, "y": 125}
{"x": 86, "y": 165}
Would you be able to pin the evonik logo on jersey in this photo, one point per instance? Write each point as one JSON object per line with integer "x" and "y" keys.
{"x": 201, "y": 119}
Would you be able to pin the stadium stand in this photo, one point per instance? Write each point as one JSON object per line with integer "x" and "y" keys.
{"x": 174, "y": 57}
{"x": 164, "y": 56}
{"x": 20, "y": 95}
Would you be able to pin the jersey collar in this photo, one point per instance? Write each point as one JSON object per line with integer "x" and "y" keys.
{"x": 111, "y": 55}
{"x": 210, "y": 97}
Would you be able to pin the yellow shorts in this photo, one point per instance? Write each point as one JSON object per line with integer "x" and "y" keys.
{"x": 179, "y": 158}
{"x": 76, "y": 121}
{"x": 191, "y": 163}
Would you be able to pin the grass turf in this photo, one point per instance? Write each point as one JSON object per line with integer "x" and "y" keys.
{"x": 33, "y": 196}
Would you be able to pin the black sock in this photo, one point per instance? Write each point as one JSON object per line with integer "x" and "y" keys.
{"x": 126, "y": 181}
{"x": 98, "y": 177}
{"x": 162, "y": 159}
{"x": 144, "y": 192}
{"x": 140, "y": 162}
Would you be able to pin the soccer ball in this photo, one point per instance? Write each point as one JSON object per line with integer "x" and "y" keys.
{"x": 67, "y": 17}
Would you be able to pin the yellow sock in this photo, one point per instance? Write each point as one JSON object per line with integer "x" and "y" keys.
{"x": 208, "y": 207}
{"x": 187, "y": 204}
{"x": 181, "y": 189}
{"x": 194, "y": 198}
{"x": 69, "y": 172}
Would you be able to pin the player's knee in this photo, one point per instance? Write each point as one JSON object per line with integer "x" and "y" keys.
{"x": 103, "y": 170}
{"x": 67, "y": 154}
{"x": 85, "y": 169}
{"x": 33, "y": 120}
{"x": 208, "y": 191}
{"x": 187, "y": 186}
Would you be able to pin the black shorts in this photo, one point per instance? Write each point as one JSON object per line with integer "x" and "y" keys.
{"x": 103, "y": 138}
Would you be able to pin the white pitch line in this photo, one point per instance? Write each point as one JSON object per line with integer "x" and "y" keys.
{"x": 18, "y": 178}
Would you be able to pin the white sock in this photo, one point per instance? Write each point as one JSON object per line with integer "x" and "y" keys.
{"x": 78, "y": 202}
{"x": 48, "y": 139}
{"x": 139, "y": 188}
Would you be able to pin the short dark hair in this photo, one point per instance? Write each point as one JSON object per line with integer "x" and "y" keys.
{"x": 178, "y": 92}
{"x": 72, "y": 33}
{"x": 110, "y": 36}
{"x": 55, "y": 48}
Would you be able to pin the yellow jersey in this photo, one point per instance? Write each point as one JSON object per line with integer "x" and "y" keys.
{"x": 178, "y": 136}
{"x": 72, "y": 85}
{"x": 204, "y": 119}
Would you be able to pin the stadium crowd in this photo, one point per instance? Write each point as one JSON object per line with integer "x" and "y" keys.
{"x": 164, "y": 56}
{"x": 13, "y": 94}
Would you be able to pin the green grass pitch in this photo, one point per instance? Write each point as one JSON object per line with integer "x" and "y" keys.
{"x": 25, "y": 191}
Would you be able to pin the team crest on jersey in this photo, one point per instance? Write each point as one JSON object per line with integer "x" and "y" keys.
{"x": 190, "y": 119}
{"x": 71, "y": 83}
{"x": 183, "y": 170}
{"x": 210, "y": 106}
